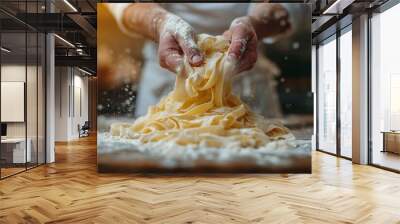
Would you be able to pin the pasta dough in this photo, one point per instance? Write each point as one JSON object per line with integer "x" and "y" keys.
{"x": 201, "y": 110}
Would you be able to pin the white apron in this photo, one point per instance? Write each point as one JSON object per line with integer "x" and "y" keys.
{"x": 256, "y": 87}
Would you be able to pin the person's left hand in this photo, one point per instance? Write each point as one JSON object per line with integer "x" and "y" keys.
{"x": 243, "y": 44}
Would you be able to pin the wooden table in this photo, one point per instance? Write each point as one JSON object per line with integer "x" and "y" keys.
{"x": 391, "y": 141}
{"x": 19, "y": 155}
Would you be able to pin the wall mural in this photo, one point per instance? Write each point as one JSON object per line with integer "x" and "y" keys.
{"x": 210, "y": 87}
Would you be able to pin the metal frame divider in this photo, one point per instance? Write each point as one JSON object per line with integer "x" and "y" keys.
{"x": 369, "y": 77}
{"x": 37, "y": 91}
{"x": 316, "y": 97}
{"x": 338, "y": 98}
{"x": 26, "y": 88}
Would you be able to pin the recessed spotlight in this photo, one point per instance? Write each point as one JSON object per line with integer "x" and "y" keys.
{"x": 337, "y": 7}
{"x": 64, "y": 40}
{"x": 70, "y": 5}
{"x": 5, "y": 50}
{"x": 84, "y": 71}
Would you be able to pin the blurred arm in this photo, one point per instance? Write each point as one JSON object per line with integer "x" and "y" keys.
{"x": 136, "y": 18}
{"x": 176, "y": 38}
{"x": 269, "y": 19}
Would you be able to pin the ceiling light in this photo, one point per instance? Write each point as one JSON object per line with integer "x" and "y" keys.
{"x": 70, "y": 5}
{"x": 65, "y": 41}
{"x": 84, "y": 71}
{"x": 79, "y": 51}
{"x": 5, "y": 50}
{"x": 333, "y": 6}
{"x": 338, "y": 6}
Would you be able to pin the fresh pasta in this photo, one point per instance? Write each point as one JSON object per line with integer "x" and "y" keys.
{"x": 201, "y": 110}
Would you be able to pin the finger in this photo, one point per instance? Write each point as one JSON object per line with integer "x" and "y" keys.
{"x": 174, "y": 61}
{"x": 249, "y": 57}
{"x": 227, "y": 35}
{"x": 240, "y": 38}
{"x": 247, "y": 63}
{"x": 190, "y": 49}
{"x": 170, "y": 54}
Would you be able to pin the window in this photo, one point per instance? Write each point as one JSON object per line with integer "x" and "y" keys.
{"x": 385, "y": 89}
{"x": 327, "y": 96}
{"x": 346, "y": 93}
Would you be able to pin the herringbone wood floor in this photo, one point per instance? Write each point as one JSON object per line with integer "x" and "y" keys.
{"x": 71, "y": 191}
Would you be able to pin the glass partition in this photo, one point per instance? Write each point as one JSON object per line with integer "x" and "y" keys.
{"x": 346, "y": 93}
{"x": 327, "y": 95}
{"x": 22, "y": 91}
{"x": 31, "y": 97}
{"x": 14, "y": 153}
{"x": 33, "y": 64}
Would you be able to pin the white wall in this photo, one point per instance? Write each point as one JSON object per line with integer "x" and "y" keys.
{"x": 16, "y": 73}
{"x": 81, "y": 89}
{"x": 11, "y": 73}
{"x": 13, "y": 101}
{"x": 62, "y": 81}
{"x": 71, "y": 87}
{"x": 33, "y": 126}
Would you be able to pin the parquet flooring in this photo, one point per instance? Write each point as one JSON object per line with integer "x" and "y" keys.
{"x": 71, "y": 191}
{"x": 10, "y": 171}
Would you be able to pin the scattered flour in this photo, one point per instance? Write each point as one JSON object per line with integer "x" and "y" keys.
{"x": 278, "y": 154}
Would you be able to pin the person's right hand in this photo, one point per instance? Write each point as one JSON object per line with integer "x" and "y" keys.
{"x": 177, "y": 40}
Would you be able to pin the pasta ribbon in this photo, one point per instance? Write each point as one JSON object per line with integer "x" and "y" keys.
{"x": 201, "y": 110}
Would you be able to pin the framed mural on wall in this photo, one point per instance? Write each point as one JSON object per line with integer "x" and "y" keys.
{"x": 210, "y": 87}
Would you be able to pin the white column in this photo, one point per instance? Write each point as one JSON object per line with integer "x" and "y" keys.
{"x": 360, "y": 90}
{"x": 50, "y": 98}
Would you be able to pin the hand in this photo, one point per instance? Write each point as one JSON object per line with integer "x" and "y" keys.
{"x": 177, "y": 40}
{"x": 243, "y": 44}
